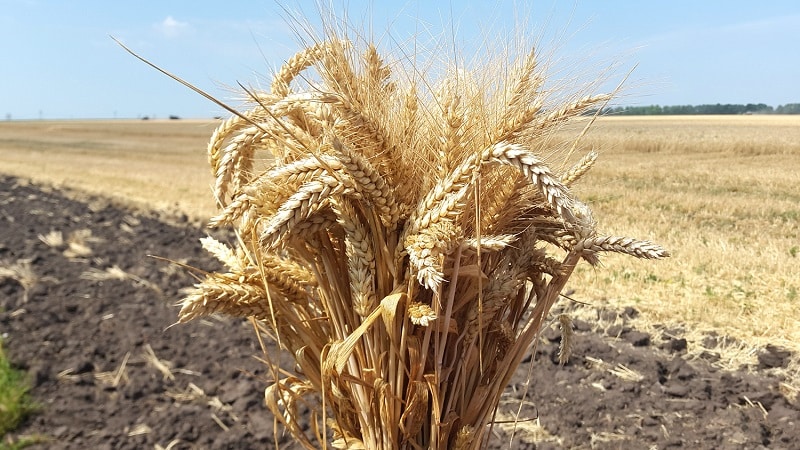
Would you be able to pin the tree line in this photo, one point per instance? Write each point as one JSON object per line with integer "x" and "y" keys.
{"x": 750, "y": 108}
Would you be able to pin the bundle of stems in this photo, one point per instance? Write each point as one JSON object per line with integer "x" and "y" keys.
{"x": 402, "y": 238}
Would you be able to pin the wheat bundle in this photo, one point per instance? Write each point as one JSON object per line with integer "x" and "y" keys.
{"x": 405, "y": 242}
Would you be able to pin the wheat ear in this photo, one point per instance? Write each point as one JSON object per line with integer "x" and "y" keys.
{"x": 230, "y": 294}
{"x": 309, "y": 198}
{"x": 294, "y": 67}
{"x": 360, "y": 257}
{"x": 626, "y": 245}
{"x": 579, "y": 169}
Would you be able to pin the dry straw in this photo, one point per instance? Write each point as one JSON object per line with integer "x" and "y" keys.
{"x": 405, "y": 242}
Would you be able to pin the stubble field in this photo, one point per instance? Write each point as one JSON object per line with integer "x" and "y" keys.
{"x": 721, "y": 193}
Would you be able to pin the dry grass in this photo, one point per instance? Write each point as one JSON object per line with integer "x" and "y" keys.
{"x": 115, "y": 377}
{"x": 404, "y": 238}
{"x": 21, "y": 272}
{"x": 151, "y": 164}
{"x": 116, "y": 273}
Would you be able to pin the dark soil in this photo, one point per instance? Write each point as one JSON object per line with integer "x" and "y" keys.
{"x": 72, "y": 335}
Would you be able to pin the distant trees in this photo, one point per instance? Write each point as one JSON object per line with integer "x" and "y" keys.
{"x": 750, "y": 108}
{"x": 789, "y": 108}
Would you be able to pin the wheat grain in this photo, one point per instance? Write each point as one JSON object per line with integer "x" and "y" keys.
{"x": 543, "y": 264}
{"x": 515, "y": 125}
{"x": 337, "y": 71}
{"x": 557, "y": 195}
{"x": 506, "y": 281}
{"x": 370, "y": 182}
{"x": 442, "y": 200}
{"x": 421, "y": 314}
{"x": 497, "y": 202}
{"x": 303, "y": 170}
{"x": 451, "y": 135}
{"x": 233, "y": 211}
{"x": 464, "y": 438}
{"x": 401, "y": 154}
{"x": 320, "y": 221}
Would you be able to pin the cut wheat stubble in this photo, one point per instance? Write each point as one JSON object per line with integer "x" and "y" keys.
{"x": 365, "y": 251}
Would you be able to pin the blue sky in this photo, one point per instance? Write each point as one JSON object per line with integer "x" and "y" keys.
{"x": 58, "y": 61}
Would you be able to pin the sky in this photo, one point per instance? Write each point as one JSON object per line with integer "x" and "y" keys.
{"x": 58, "y": 60}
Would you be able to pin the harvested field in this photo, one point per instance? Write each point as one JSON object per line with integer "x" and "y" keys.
{"x": 158, "y": 165}
{"x": 109, "y": 373}
{"x": 720, "y": 193}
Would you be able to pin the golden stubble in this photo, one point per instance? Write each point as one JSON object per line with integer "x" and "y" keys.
{"x": 721, "y": 193}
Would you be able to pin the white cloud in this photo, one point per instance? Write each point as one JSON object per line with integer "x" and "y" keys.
{"x": 170, "y": 27}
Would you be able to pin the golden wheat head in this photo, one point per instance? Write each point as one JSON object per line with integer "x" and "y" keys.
{"x": 405, "y": 245}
